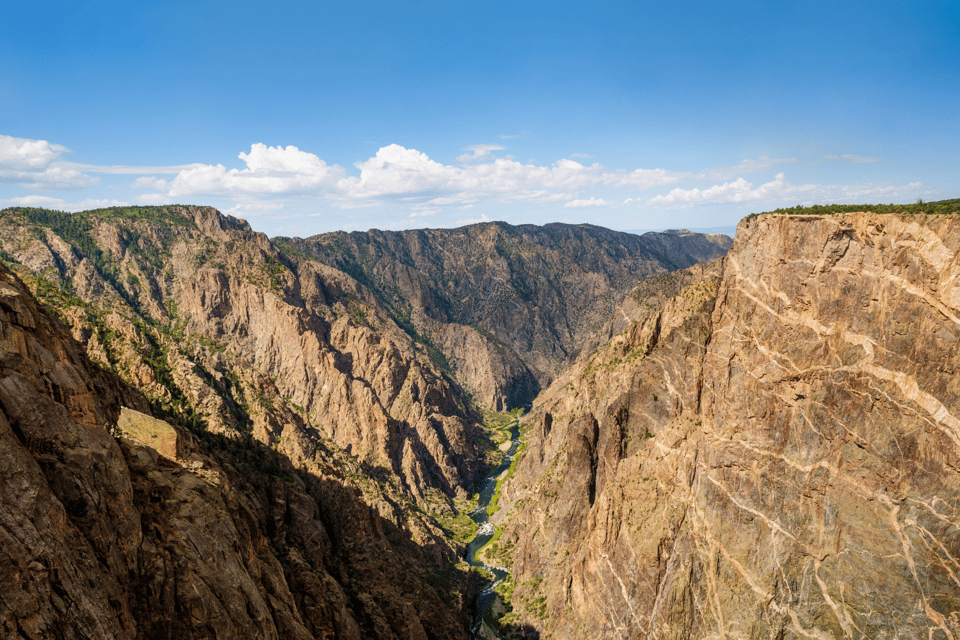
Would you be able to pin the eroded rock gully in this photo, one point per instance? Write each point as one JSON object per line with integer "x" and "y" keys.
{"x": 777, "y": 448}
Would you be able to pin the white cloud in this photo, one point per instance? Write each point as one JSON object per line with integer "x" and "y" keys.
{"x": 270, "y": 170}
{"x": 746, "y": 166}
{"x": 643, "y": 178}
{"x": 38, "y": 164}
{"x": 48, "y": 202}
{"x": 407, "y": 174}
{"x": 479, "y": 151}
{"x": 737, "y": 191}
{"x": 154, "y": 198}
{"x": 849, "y": 157}
{"x": 424, "y": 213}
{"x": 35, "y": 164}
{"x": 150, "y": 182}
{"x": 131, "y": 170}
{"x": 22, "y": 154}
{"x": 779, "y": 192}
{"x": 483, "y": 218}
{"x": 592, "y": 202}
{"x": 253, "y": 208}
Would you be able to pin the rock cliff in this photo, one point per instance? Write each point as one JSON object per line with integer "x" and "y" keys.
{"x": 114, "y": 524}
{"x": 507, "y": 305}
{"x": 218, "y": 328}
{"x": 772, "y": 452}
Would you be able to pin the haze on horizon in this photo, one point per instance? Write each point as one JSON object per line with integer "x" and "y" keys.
{"x": 311, "y": 117}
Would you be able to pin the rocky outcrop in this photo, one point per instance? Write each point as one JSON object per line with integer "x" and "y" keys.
{"x": 220, "y": 329}
{"x": 770, "y": 453}
{"x": 506, "y": 305}
{"x": 114, "y": 524}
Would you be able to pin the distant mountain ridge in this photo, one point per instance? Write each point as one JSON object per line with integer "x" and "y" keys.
{"x": 507, "y": 305}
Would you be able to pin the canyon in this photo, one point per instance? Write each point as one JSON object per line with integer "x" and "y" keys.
{"x": 283, "y": 453}
{"x": 766, "y": 447}
{"x": 213, "y": 433}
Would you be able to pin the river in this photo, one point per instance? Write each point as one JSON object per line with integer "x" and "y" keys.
{"x": 479, "y": 629}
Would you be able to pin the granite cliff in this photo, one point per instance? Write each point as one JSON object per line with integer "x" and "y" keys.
{"x": 765, "y": 447}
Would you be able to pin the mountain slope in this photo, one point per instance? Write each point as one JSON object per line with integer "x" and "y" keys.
{"x": 507, "y": 305}
{"x": 116, "y": 525}
{"x": 217, "y": 327}
{"x": 771, "y": 453}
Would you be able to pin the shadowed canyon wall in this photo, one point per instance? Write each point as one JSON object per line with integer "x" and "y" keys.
{"x": 116, "y": 525}
{"x": 507, "y": 305}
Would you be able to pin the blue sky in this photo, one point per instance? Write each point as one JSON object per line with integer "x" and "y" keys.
{"x": 310, "y": 117}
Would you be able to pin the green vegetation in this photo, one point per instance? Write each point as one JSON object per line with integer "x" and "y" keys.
{"x": 527, "y": 598}
{"x": 460, "y": 527}
{"x": 494, "y": 505}
{"x": 168, "y": 215}
{"x": 940, "y": 207}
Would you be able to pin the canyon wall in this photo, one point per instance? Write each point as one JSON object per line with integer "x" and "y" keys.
{"x": 114, "y": 524}
{"x": 772, "y": 452}
{"x": 219, "y": 329}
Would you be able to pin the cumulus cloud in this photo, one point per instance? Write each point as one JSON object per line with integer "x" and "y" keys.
{"x": 644, "y": 178}
{"x": 28, "y": 155}
{"x": 762, "y": 163}
{"x": 737, "y": 191}
{"x": 779, "y": 191}
{"x": 479, "y": 151}
{"x": 592, "y": 202}
{"x": 39, "y": 164}
{"x": 36, "y": 164}
{"x": 396, "y": 172}
{"x": 154, "y": 198}
{"x": 270, "y": 170}
{"x": 849, "y": 157}
{"x": 255, "y": 208}
{"x": 399, "y": 174}
{"x": 119, "y": 169}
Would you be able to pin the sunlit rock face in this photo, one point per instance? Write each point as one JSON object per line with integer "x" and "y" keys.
{"x": 201, "y": 313}
{"x": 771, "y": 452}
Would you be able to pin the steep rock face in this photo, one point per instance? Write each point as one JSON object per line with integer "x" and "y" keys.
{"x": 772, "y": 453}
{"x": 507, "y": 305}
{"x": 117, "y": 525}
{"x": 216, "y": 326}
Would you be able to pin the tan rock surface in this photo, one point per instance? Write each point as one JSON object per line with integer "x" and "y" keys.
{"x": 772, "y": 453}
